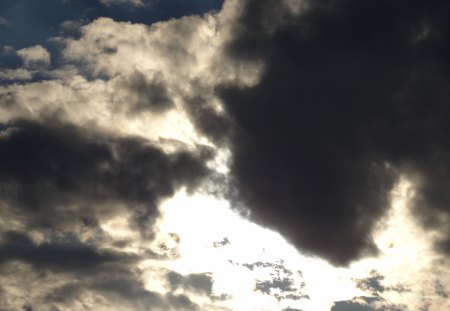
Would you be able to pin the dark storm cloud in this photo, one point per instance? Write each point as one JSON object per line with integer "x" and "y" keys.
{"x": 57, "y": 174}
{"x": 353, "y": 94}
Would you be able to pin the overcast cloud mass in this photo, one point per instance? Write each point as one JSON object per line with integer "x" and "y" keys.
{"x": 147, "y": 147}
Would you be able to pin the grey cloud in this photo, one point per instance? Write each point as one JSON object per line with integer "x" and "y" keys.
{"x": 352, "y": 96}
{"x": 374, "y": 285}
{"x": 127, "y": 288}
{"x": 65, "y": 294}
{"x": 133, "y": 291}
{"x": 369, "y": 304}
{"x": 122, "y": 288}
{"x": 142, "y": 94}
{"x": 351, "y": 306}
{"x": 65, "y": 178}
{"x": 56, "y": 165}
{"x": 200, "y": 282}
{"x": 181, "y": 302}
{"x": 222, "y": 243}
{"x": 283, "y": 284}
{"x": 59, "y": 182}
{"x": 66, "y": 254}
{"x": 441, "y": 290}
{"x": 281, "y": 288}
{"x": 213, "y": 124}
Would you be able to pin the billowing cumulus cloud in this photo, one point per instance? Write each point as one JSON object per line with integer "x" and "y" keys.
{"x": 34, "y": 56}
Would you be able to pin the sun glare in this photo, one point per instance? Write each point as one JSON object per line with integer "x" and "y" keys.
{"x": 207, "y": 236}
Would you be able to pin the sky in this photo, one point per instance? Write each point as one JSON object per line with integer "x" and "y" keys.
{"x": 286, "y": 155}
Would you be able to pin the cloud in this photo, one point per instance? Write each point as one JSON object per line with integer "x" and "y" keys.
{"x": 352, "y": 96}
{"x": 144, "y": 94}
{"x": 282, "y": 283}
{"x": 87, "y": 157}
{"x": 201, "y": 283}
{"x": 441, "y": 291}
{"x": 350, "y": 306}
{"x": 66, "y": 254}
{"x": 134, "y": 292}
{"x": 61, "y": 186}
{"x": 15, "y": 74}
{"x": 33, "y": 23}
{"x": 222, "y": 243}
{"x": 35, "y": 56}
{"x": 58, "y": 165}
{"x": 4, "y": 22}
{"x": 365, "y": 304}
{"x": 318, "y": 111}
{"x": 136, "y": 3}
{"x": 115, "y": 287}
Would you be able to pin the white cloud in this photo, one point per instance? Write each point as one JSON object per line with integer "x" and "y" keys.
{"x": 20, "y": 74}
{"x": 407, "y": 256}
{"x": 184, "y": 56}
{"x": 117, "y": 2}
{"x": 35, "y": 56}
{"x": 71, "y": 24}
